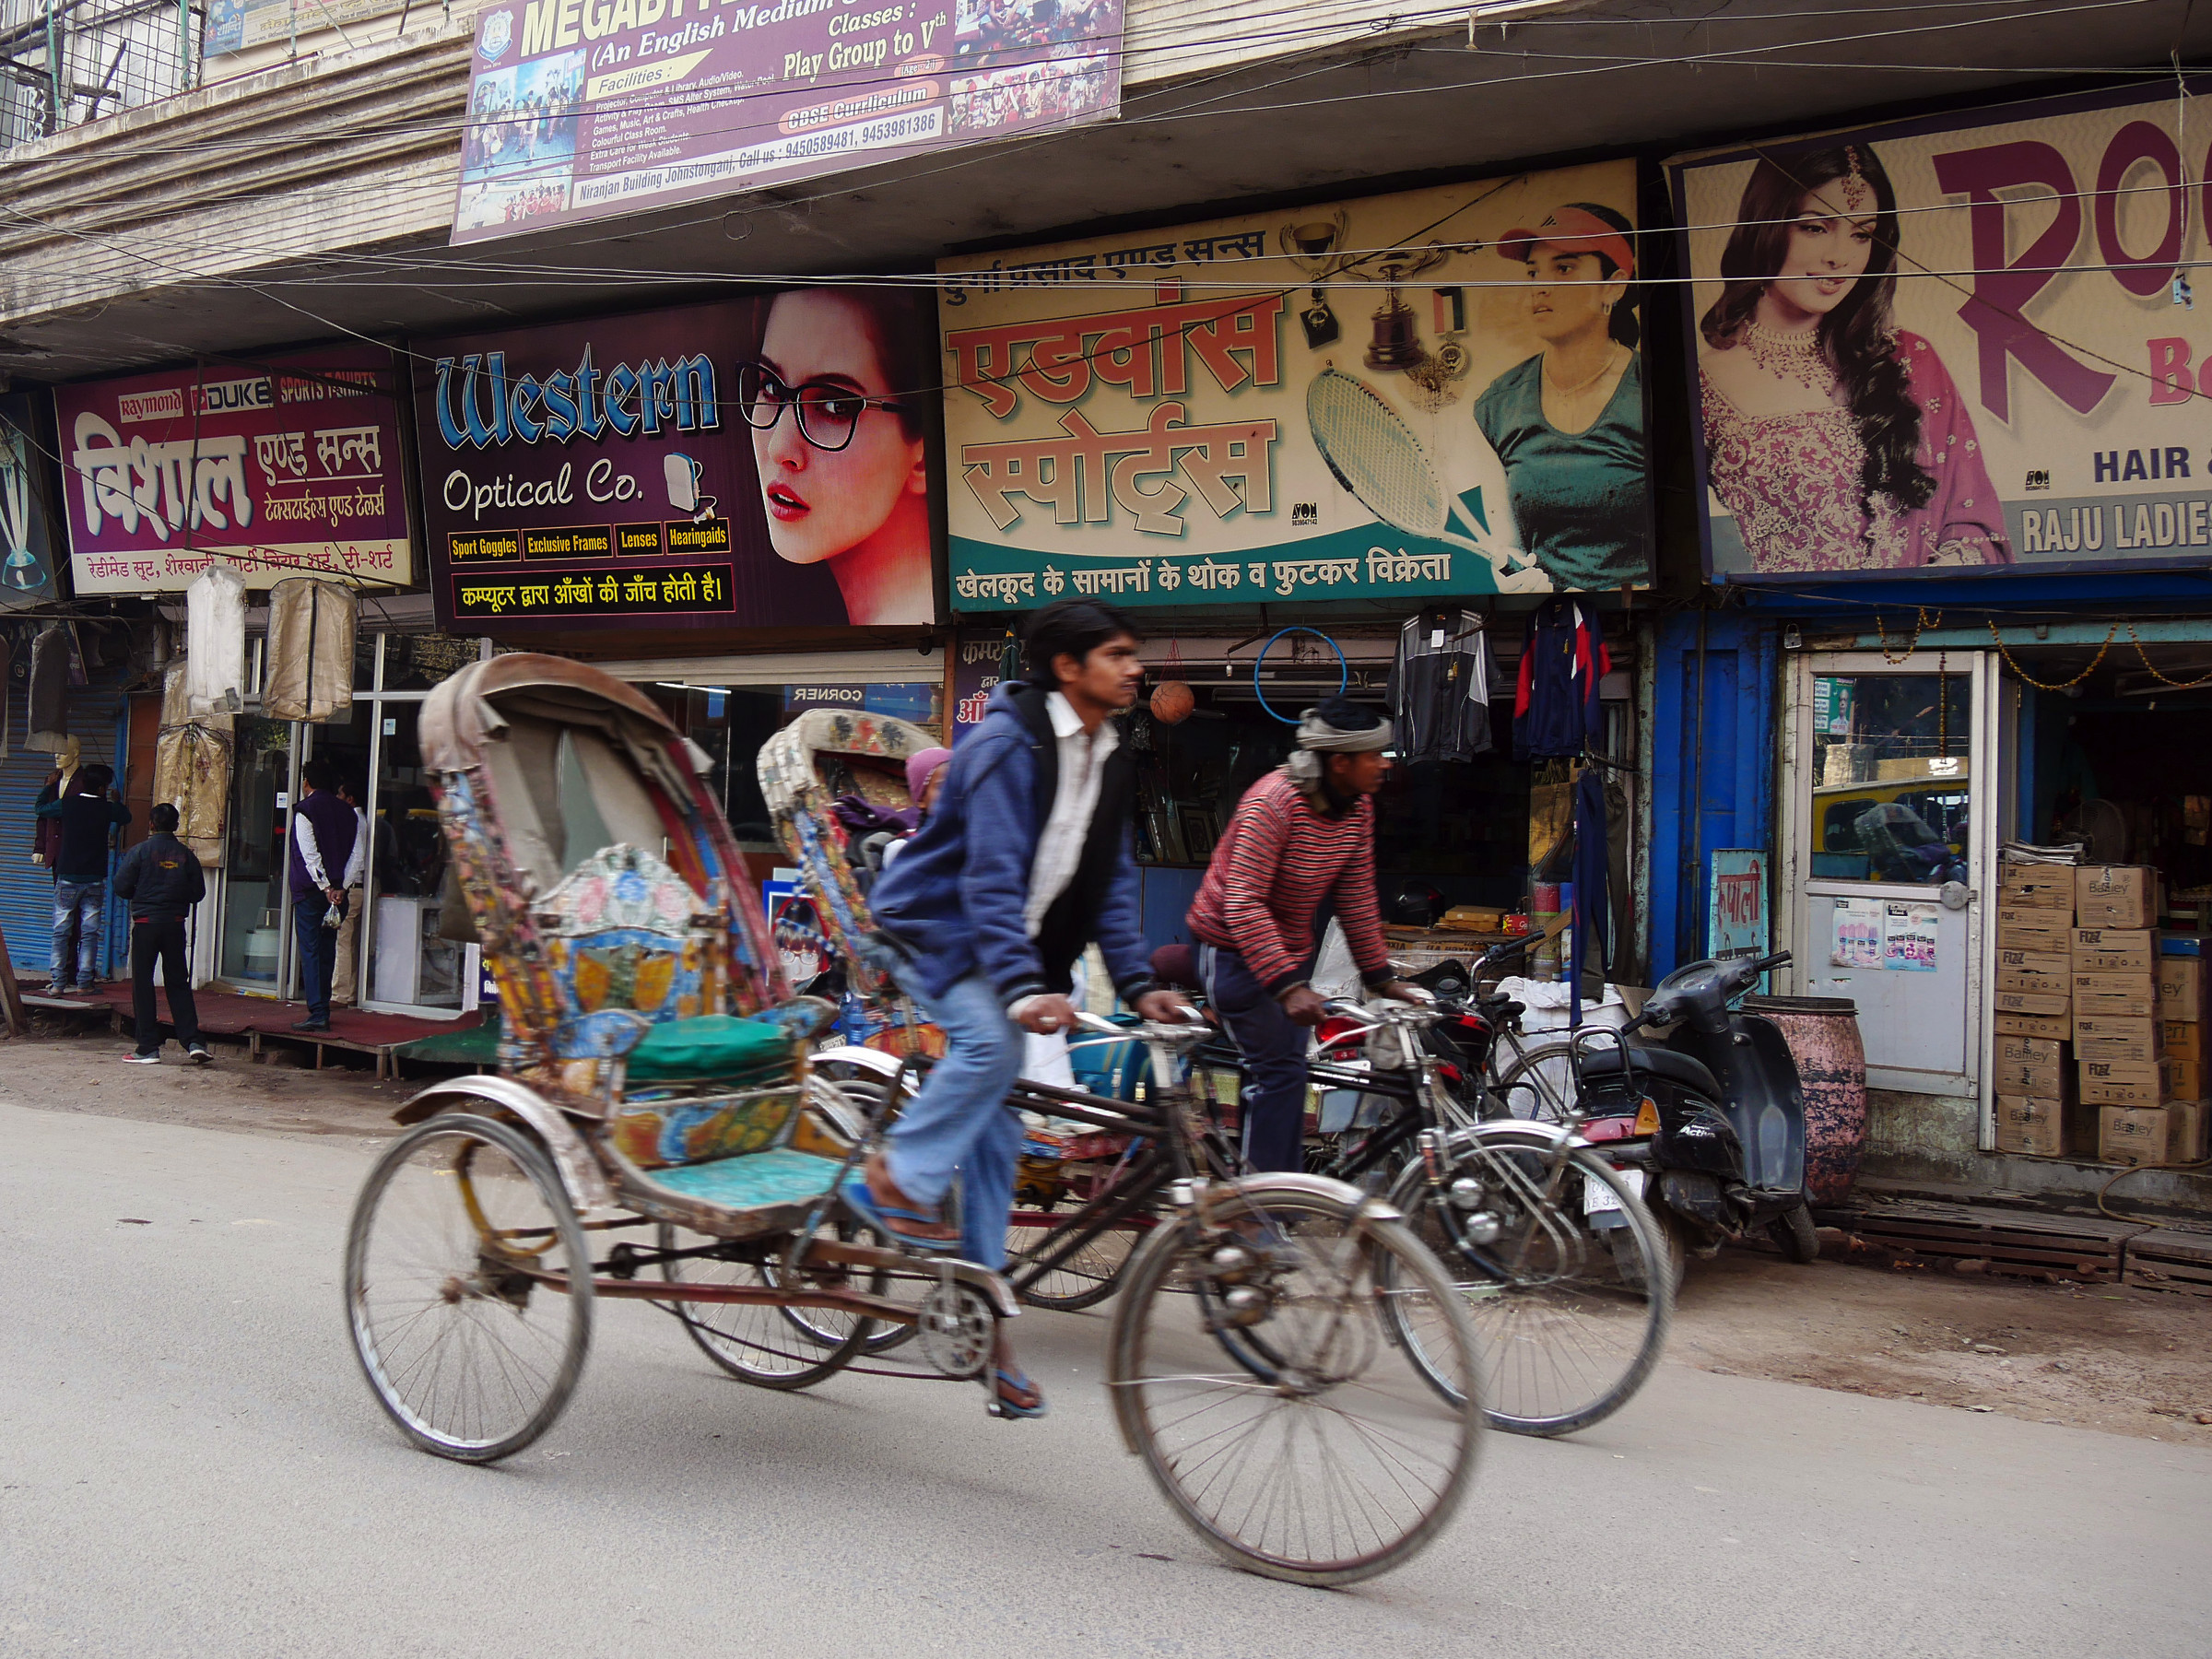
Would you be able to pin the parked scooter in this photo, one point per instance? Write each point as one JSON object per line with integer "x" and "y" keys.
{"x": 1715, "y": 1120}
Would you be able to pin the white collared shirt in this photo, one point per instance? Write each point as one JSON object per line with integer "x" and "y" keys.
{"x": 1060, "y": 843}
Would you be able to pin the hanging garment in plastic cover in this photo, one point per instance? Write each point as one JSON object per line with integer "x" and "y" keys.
{"x": 310, "y": 650}
{"x": 192, "y": 768}
{"x": 49, "y": 714}
{"x": 215, "y": 619}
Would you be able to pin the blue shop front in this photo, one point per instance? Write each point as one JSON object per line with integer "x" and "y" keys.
{"x": 1951, "y": 468}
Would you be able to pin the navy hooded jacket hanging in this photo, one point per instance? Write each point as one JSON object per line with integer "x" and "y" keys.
{"x": 1563, "y": 658}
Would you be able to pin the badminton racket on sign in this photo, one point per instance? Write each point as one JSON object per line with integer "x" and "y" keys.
{"x": 1375, "y": 455}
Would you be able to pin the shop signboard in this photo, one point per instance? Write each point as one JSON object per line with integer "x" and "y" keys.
{"x": 914, "y": 702}
{"x": 579, "y": 108}
{"x": 29, "y": 553}
{"x": 609, "y": 471}
{"x": 1738, "y": 923}
{"x": 979, "y": 666}
{"x": 1960, "y": 340}
{"x": 1435, "y": 392}
{"x": 287, "y": 467}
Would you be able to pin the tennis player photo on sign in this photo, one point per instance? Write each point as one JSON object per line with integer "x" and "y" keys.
{"x": 1435, "y": 392}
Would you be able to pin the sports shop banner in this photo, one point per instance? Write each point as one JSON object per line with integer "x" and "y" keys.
{"x": 1361, "y": 400}
{"x": 2018, "y": 385}
{"x": 290, "y": 467}
{"x": 579, "y": 108}
{"x": 604, "y": 472}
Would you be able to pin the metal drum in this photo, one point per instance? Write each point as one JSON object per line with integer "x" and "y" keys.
{"x": 1823, "y": 1036}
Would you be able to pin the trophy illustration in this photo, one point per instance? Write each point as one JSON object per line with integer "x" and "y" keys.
{"x": 1398, "y": 344}
{"x": 1317, "y": 248}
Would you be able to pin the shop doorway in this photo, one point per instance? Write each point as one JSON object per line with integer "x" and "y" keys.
{"x": 1888, "y": 830}
{"x": 251, "y": 953}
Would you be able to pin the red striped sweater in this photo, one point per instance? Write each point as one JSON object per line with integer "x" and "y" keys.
{"x": 1278, "y": 862}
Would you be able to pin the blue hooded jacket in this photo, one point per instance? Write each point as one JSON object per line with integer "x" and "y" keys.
{"x": 953, "y": 903}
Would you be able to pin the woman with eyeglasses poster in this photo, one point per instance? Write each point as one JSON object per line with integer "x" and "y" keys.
{"x": 835, "y": 402}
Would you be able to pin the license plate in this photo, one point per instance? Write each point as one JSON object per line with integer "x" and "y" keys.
{"x": 1597, "y": 1196}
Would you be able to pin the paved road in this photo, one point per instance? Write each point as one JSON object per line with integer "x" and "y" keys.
{"x": 191, "y": 1465}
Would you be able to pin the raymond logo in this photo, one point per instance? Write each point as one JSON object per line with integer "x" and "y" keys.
{"x": 167, "y": 405}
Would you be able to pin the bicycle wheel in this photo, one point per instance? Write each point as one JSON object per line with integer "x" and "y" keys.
{"x": 465, "y": 1346}
{"x": 766, "y": 1344}
{"x": 1536, "y": 1082}
{"x": 1252, "y": 1367}
{"x": 1571, "y": 1317}
{"x": 1084, "y": 1277}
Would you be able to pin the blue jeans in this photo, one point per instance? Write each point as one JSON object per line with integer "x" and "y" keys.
{"x": 958, "y": 1123}
{"x": 318, "y": 951}
{"x": 81, "y": 905}
{"x": 1274, "y": 1047}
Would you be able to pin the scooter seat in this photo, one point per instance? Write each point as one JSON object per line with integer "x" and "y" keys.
{"x": 1682, "y": 1070}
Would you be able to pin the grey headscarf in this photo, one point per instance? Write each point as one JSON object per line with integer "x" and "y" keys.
{"x": 1338, "y": 726}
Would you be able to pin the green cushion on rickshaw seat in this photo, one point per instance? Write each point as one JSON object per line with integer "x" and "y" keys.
{"x": 710, "y": 1047}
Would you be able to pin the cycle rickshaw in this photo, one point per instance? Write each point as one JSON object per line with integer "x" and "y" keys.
{"x": 657, "y": 1130}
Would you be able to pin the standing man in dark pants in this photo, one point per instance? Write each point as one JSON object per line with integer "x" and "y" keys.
{"x": 1302, "y": 837}
{"x": 161, "y": 880}
{"x": 326, "y": 857}
{"x": 88, "y": 815}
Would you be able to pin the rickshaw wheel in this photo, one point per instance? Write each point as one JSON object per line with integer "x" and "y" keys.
{"x": 757, "y": 1343}
{"x": 462, "y": 1342}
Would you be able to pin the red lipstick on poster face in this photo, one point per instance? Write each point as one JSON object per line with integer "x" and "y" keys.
{"x": 784, "y": 504}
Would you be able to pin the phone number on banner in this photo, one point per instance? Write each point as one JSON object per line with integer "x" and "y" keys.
{"x": 597, "y": 593}
{"x": 918, "y": 128}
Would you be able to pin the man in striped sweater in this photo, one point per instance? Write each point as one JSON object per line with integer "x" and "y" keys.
{"x": 1303, "y": 837}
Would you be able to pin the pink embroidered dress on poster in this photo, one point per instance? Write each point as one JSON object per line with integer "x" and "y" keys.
{"x": 1793, "y": 483}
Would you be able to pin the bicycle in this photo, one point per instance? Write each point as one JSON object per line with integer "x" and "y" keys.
{"x": 1573, "y": 1324}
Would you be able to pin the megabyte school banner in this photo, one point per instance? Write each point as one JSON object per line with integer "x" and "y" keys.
{"x": 1350, "y": 401}
{"x": 602, "y": 472}
{"x": 289, "y": 467}
{"x": 2026, "y": 378}
{"x": 582, "y": 108}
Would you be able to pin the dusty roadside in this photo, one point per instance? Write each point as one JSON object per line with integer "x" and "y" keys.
{"x": 2126, "y": 1361}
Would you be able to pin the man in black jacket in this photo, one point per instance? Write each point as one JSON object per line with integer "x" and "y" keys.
{"x": 87, "y": 814}
{"x": 161, "y": 880}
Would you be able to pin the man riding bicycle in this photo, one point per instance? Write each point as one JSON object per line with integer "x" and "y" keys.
{"x": 1025, "y": 859}
{"x": 1303, "y": 836}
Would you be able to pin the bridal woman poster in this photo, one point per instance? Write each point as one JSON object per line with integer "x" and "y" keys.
{"x": 1959, "y": 342}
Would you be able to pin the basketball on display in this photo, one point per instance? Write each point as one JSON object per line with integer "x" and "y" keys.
{"x": 1173, "y": 702}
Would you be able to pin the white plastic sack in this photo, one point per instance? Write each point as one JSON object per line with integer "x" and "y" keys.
{"x": 214, "y": 663}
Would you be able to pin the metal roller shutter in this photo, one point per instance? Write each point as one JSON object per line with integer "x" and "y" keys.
{"x": 96, "y": 715}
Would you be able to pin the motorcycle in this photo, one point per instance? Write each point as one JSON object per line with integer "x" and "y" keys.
{"x": 1714, "y": 1120}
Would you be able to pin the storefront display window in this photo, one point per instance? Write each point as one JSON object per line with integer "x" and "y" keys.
{"x": 252, "y": 928}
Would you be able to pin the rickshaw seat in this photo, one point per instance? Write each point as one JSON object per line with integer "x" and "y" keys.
{"x": 717, "y": 1046}
{"x": 779, "y": 1175}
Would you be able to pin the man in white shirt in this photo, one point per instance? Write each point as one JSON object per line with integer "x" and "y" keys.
{"x": 1026, "y": 858}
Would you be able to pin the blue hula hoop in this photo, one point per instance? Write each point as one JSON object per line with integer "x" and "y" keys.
{"x": 1344, "y": 671}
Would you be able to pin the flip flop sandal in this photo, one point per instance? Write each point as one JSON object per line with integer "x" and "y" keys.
{"x": 1001, "y": 1379}
{"x": 882, "y": 1218}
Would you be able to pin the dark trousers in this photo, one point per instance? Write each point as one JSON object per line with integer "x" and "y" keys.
{"x": 1274, "y": 1047}
{"x": 164, "y": 942}
{"x": 318, "y": 951}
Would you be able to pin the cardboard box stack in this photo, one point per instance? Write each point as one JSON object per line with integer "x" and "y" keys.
{"x": 2035, "y": 1000}
{"x": 2119, "y": 1022}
